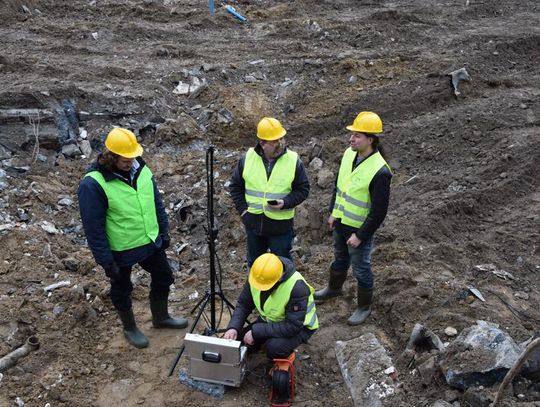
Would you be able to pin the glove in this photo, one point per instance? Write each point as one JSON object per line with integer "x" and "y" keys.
{"x": 112, "y": 271}
{"x": 165, "y": 241}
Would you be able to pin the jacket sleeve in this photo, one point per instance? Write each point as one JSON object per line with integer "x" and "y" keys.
{"x": 333, "y": 198}
{"x": 237, "y": 187}
{"x": 379, "y": 190}
{"x": 300, "y": 187}
{"x": 243, "y": 308}
{"x": 162, "y": 218}
{"x": 295, "y": 313}
{"x": 93, "y": 206}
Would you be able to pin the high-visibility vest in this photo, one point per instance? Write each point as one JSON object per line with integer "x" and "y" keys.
{"x": 131, "y": 219}
{"x": 274, "y": 306}
{"x": 353, "y": 201}
{"x": 259, "y": 189}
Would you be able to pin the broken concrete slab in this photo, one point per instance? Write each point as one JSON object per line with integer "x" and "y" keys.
{"x": 363, "y": 362}
{"x": 480, "y": 356}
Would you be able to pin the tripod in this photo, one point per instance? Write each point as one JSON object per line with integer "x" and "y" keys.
{"x": 211, "y": 293}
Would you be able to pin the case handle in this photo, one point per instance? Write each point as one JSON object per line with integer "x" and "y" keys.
{"x": 212, "y": 357}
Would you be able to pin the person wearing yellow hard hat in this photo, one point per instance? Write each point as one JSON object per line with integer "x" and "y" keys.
{"x": 358, "y": 207}
{"x": 284, "y": 301}
{"x": 126, "y": 224}
{"x": 267, "y": 184}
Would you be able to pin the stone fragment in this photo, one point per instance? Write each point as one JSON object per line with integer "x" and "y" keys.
{"x": 71, "y": 264}
{"x": 363, "y": 362}
{"x": 316, "y": 164}
{"x": 71, "y": 150}
{"x": 480, "y": 356}
{"x": 85, "y": 147}
{"x": 325, "y": 178}
{"x": 450, "y": 331}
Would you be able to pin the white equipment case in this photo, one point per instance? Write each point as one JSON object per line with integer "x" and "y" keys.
{"x": 216, "y": 360}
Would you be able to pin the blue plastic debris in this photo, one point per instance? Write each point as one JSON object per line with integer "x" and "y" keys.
{"x": 235, "y": 13}
{"x": 214, "y": 390}
{"x": 211, "y": 6}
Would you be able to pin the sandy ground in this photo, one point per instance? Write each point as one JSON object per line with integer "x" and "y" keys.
{"x": 465, "y": 190}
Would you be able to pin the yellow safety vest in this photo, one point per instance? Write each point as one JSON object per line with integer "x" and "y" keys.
{"x": 274, "y": 306}
{"x": 131, "y": 219}
{"x": 259, "y": 189}
{"x": 353, "y": 201}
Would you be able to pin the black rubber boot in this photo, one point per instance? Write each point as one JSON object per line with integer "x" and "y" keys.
{"x": 365, "y": 296}
{"x": 131, "y": 332}
{"x": 161, "y": 317}
{"x": 333, "y": 289}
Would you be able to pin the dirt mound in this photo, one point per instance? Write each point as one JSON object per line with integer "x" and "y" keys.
{"x": 464, "y": 192}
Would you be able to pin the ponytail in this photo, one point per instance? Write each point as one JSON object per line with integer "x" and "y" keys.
{"x": 376, "y": 144}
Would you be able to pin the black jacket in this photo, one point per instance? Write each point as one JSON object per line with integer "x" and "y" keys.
{"x": 379, "y": 191}
{"x": 295, "y": 311}
{"x": 261, "y": 224}
{"x": 93, "y": 205}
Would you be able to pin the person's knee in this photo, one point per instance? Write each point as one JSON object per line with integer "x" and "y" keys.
{"x": 277, "y": 349}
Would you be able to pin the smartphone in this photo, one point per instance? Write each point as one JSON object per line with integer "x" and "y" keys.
{"x": 272, "y": 202}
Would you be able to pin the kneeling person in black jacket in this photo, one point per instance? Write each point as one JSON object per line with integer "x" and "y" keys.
{"x": 285, "y": 304}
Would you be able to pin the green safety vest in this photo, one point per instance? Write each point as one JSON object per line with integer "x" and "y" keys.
{"x": 274, "y": 307}
{"x": 259, "y": 188}
{"x": 131, "y": 219}
{"x": 353, "y": 201}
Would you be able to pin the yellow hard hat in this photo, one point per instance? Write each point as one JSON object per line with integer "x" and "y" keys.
{"x": 367, "y": 122}
{"x": 265, "y": 271}
{"x": 124, "y": 143}
{"x": 270, "y": 129}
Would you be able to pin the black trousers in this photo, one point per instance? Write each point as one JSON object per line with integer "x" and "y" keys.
{"x": 277, "y": 348}
{"x": 161, "y": 279}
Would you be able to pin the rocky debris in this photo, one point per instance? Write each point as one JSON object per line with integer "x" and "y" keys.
{"x": 71, "y": 150}
{"x": 363, "y": 362}
{"x": 325, "y": 178}
{"x": 480, "y": 356}
{"x": 456, "y": 77}
{"x": 481, "y": 269}
{"x": 450, "y": 331}
{"x": 423, "y": 339}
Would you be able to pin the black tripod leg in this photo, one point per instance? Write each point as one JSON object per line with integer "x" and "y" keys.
{"x": 201, "y": 304}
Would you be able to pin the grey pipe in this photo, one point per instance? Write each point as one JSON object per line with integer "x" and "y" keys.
{"x": 11, "y": 358}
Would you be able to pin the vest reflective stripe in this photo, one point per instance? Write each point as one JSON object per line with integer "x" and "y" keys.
{"x": 131, "y": 219}
{"x": 259, "y": 188}
{"x": 274, "y": 307}
{"x": 353, "y": 201}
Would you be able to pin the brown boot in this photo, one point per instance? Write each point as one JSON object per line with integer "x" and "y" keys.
{"x": 333, "y": 289}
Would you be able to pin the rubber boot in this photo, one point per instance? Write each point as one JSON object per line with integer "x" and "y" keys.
{"x": 161, "y": 317}
{"x": 365, "y": 296}
{"x": 333, "y": 289}
{"x": 131, "y": 332}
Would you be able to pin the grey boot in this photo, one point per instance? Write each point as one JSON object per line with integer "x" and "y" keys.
{"x": 365, "y": 296}
{"x": 161, "y": 317}
{"x": 333, "y": 289}
{"x": 131, "y": 332}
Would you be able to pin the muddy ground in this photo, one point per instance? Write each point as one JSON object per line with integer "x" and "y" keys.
{"x": 465, "y": 191}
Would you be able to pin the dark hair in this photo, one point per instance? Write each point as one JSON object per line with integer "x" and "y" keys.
{"x": 376, "y": 144}
{"x": 108, "y": 159}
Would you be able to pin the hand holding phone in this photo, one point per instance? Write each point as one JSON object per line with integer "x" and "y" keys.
{"x": 272, "y": 202}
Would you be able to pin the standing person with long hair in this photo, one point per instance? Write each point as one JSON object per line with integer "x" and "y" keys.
{"x": 359, "y": 205}
{"x": 125, "y": 223}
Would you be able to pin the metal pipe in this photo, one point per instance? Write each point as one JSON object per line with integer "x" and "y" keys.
{"x": 11, "y": 359}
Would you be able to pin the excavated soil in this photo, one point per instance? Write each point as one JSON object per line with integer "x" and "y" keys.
{"x": 465, "y": 190}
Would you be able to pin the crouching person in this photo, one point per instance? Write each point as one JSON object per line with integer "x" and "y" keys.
{"x": 285, "y": 304}
{"x": 125, "y": 223}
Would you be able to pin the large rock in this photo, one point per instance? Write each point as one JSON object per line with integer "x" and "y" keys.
{"x": 363, "y": 362}
{"x": 480, "y": 356}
